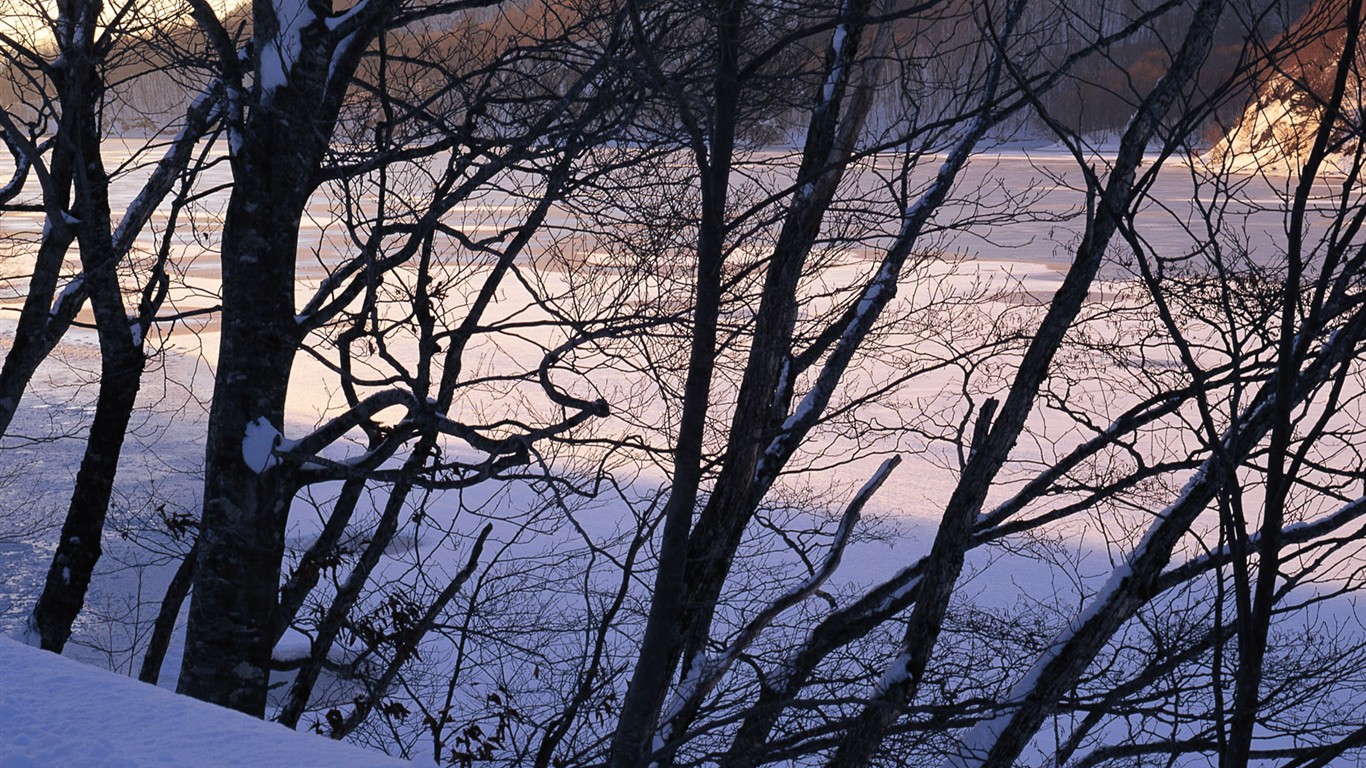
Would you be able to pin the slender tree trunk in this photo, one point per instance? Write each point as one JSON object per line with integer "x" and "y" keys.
{"x": 41, "y": 325}
{"x": 78, "y": 551}
{"x": 766, "y": 390}
{"x": 1255, "y": 628}
{"x": 164, "y": 627}
{"x": 121, "y": 359}
{"x": 339, "y": 612}
{"x": 663, "y": 637}
{"x": 305, "y": 576}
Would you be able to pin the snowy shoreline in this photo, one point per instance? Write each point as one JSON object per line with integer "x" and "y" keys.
{"x": 55, "y": 711}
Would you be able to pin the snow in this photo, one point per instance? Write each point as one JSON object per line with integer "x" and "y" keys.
{"x": 698, "y": 669}
{"x": 59, "y": 712}
{"x": 259, "y": 444}
{"x": 279, "y": 54}
{"x": 900, "y": 592}
{"x": 895, "y": 675}
{"x": 334, "y": 23}
{"x": 836, "y": 47}
{"x": 67, "y": 293}
{"x": 343, "y": 48}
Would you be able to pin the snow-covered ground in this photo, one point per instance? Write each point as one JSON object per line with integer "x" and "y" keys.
{"x": 58, "y": 712}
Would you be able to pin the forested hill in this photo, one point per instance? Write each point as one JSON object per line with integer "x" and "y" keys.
{"x": 1103, "y": 94}
{"x": 1279, "y": 125}
{"x": 157, "y": 67}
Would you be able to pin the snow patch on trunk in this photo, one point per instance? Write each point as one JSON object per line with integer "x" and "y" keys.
{"x": 279, "y": 53}
{"x": 260, "y": 443}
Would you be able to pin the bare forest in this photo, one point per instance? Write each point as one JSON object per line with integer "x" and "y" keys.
{"x": 736, "y": 382}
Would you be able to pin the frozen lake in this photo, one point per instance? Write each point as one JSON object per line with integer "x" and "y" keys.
{"x": 999, "y": 249}
{"x": 1009, "y": 207}
{"x": 1012, "y": 221}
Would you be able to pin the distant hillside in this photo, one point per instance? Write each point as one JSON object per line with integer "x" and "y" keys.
{"x": 153, "y": 76}
{"x": 1278, "y": 128}
{"x": 1105, "y": 88}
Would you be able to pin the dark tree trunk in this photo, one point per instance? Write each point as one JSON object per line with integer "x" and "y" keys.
{"x": 121, "y": 359}
{"x": 663, "y": 637}
{"x": 41, "y": 324}
{"x": 279, "y": 130}
{"x": 164, "y": 627}
{"x": 232, "y": 611}
{"x": 1255, "y": 628}
{"x": 766, "y": 390}
{"x": 78, "y": 551}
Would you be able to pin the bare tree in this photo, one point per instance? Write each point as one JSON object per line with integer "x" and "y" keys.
{"x": 567, "y": 270}
{"x": 501, "y": 112}
{"x": 68, "y": 85}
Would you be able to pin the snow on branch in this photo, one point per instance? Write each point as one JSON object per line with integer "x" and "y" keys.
{"x": 1305, "y": 532}
{"x": 70, "y": 299}
{"x": 855, "y": 325}
{"x": 260, "y": 443}
{"x": 998, "y": 740}
{"x": 22, "y": 164}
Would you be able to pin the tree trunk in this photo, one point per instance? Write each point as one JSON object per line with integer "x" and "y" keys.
{"x": 232, "y": 611}
{"x": 663, "y": 636}
{"x": 121, "y": 359}
{"x": 78, "y": 551}
{"x": 277, "y": 149}
{"x": 41, "y": 324}
{"x": 176, "y": 592}
{"x": 766, "y": 390}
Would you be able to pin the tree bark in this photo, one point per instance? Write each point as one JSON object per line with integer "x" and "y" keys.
{"x": 278, "y": 149}
{"x": 79, "y": 549}
{"x": 176, "y": 591}
{"x": 232, "y": 622}
{"x": 121, "y": 359}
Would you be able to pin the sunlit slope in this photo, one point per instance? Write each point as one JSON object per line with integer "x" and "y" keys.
{"x": 1280, "y": 125}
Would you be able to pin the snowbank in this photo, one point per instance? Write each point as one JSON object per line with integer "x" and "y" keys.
{"x": 59, "y": 712}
